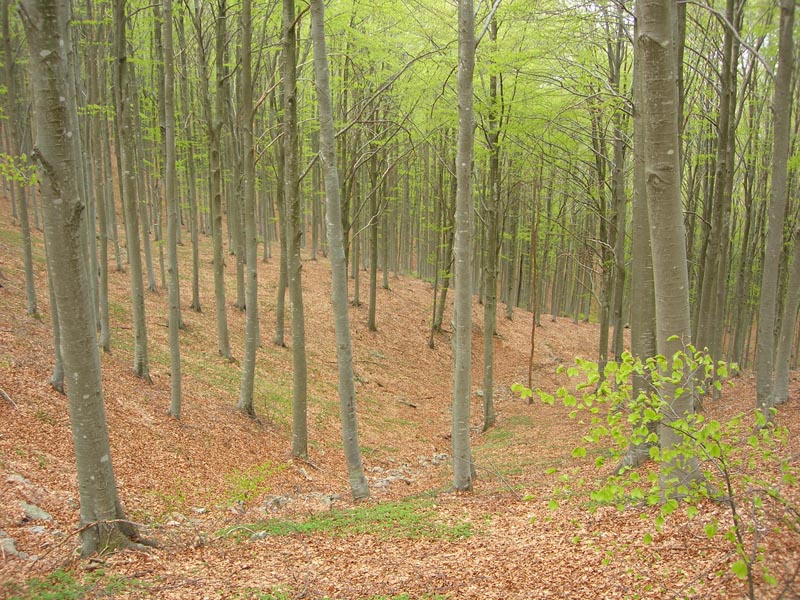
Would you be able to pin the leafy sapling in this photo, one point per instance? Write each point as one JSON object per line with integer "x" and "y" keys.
{"x": 741, "y": 463}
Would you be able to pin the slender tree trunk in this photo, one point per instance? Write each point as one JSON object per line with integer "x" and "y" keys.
{"x": 767, "y": 310}
{"x": 14, "y": 142}
{"x": 245, "y": 403}
{"x": 344, "y": 353}
{"x": 373, "y": 241}
{"x": 215, "y": 135}
{"x": 191, "y": 171}
{"x": 463, "y": 469}
{"x": 294, "y": 207}
{"x": 491, "y": 245}
{"x": 643, "y": 302}
{"x": 170, "y": 178}
{"x": 127, "y": 174}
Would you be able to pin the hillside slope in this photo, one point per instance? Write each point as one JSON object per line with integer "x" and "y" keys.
{"x": 186, "y": 481}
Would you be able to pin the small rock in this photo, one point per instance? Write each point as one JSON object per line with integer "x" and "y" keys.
{"x": 7, "y": 546}
{"x": 374, "y": 470}
{"x": 259, "y": 535}
{"x": 273, "y": 503}
{"x": 14, "y": 478}
{"x": 34, "y": 513}
{"x": 438, "y": 459}
{"x": 37, "y": 529}
{"x": 172, "y": 523}
{"x": 200, "y": 511}
{"x": 176, "y": 516}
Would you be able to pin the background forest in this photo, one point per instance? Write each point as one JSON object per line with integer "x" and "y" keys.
{"x": 330, "y": 239}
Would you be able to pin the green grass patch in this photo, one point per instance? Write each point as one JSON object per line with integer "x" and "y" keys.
{"x": 413, "y": 519}
{"x": 246, "y": 484}
{"x": 63, "y": 585}
{"x": 520, "y": 421}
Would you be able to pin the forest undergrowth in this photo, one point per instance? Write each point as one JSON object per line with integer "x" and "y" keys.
{"x": 235, "y": 517}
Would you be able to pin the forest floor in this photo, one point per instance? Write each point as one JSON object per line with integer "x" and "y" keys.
{"x": 235, "y": 517}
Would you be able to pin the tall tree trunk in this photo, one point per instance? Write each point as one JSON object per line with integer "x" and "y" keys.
{"x": 294, "y": 206}
{"x": 283, "y": 258}
{"x": 13, "y": 137}
{"x": 215, "y": 150}
{"x": 191, "y": 170}
{"x": 655, "y": 42}
{"x": 373, "y": 239}
{"x": 767, "y": 308}
{"x": 129, "y": 201}
{"x": 101, "y": 513}
{"x": 492, "y": 244}
{"x": 344, "y": 353}
{"x": 245, "y": 403}
{"x": 643, "y": 302}
{"x": 170, "y": 177}
{"x": 463, "y": 468}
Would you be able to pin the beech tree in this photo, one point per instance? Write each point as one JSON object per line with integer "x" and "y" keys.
{"x": 463, "y": 469}
{"x": 170, "y": 176}
{"x": 344, "y": 352}
{"x": 655, "y": 43}
{"x": 245, "y": 403}
{"x": 103, "y": 521}
{"x": 781, "y": 108}
{"x": 126, "y": 159}
{"x": 294, "y": 230}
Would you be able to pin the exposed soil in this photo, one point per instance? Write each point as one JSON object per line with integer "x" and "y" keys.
{"x": 186, "y": 481}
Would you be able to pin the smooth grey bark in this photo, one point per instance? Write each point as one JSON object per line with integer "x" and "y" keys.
{"x": 710, "y": 319}
{"x": 463, "y": 470}
{"x": 127, "y": 161}
{"x": 217, "y": 184}
{"x": 655, "y": 42}
{"x": 13, "y": 138}
{"x": 170, "y": 180}
{"x": 448, "y": 256}
{"x": 111, "y": 210}
{"x": 643, "y": 307}
{"x": 767, "y": 308}
{"x": 373, "y": 240}
{"x": 344, "y": 353}
{"x": 57, "y": 378}
{"x": 491, "y": 246}
{"x": 102, "y": 517}
{"x": 191, "y": 170}
{"x": 140, "y": 175}
{"x": 245, "y": 403}
{"x": 294, "y": 207}
{"x": 95, "y": 132}
{"x": 783, "y": 351}
{"x": 279, "y": 338}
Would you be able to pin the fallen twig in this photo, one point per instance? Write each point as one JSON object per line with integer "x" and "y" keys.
{"x": 7, "y": 398}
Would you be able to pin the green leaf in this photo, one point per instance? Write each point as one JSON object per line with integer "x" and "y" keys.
{"x": 579, "y": 452}
{"x": 739, "y": 569}
{"x": 553, "y": 504}
{"x": 691, "y": 511}
{"x": 711, "y": 529}
{"x": 648, "y": 539}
